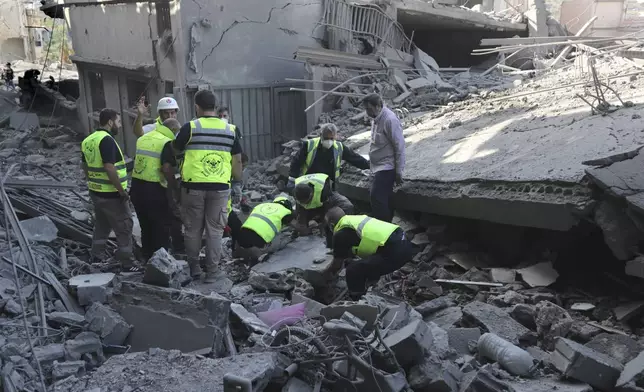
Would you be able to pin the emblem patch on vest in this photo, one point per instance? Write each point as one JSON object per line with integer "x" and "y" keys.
{"x": 140, "y": 165}
{"x": 211, "y": 165}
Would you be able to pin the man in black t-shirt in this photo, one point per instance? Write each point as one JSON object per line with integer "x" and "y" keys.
{"x": 7, "y": 76}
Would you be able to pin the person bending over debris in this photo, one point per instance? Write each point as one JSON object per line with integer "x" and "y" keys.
{"x": 323, "y": 155}
{"x": 167, "y": 107}
{"x": 264, "y": 223}
{"x": 153, "y": 174}
{"x": 314, "y": 198}
{"x": 386, "y": 154}
{"x": 381, "y": 246}
{"x": 106, "y": 175}
{"x": 212, "y": 157}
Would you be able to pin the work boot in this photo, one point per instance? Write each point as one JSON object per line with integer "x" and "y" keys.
{"x": 195, "y": 270}
{"x": 212, "y": 274}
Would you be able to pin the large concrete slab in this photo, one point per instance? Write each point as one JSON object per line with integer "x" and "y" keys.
{"x": 298, "y": 254}
{"x": 498, "y": 322}
{"x": 172, "y": 319}
{"x": 517, "y": 161}
{"x": 160, "y": 370}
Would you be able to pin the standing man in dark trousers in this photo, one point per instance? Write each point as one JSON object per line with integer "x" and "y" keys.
{"x": 212, "y": 159}
{"x": 106, "y": 175}
{"x": 386, "y": 155}
{"x": 323, "y": 155}
{"x": 152, "y": 176}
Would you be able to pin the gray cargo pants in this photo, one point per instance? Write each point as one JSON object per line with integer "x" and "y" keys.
{"x": 204, "y": 210}
{"x": 112, "y": 214}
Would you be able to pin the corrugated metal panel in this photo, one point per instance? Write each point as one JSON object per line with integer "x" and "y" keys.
{"x": 267, "y": 116}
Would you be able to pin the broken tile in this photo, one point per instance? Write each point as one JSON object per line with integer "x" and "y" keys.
{"x": 91, "y": 288}
{"x": 503, "y": 275}
{"x": 539, "y": 275}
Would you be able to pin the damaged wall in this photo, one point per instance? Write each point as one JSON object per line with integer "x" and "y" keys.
{"x": 232, "y": 43}
{"x": 12, "y": 43}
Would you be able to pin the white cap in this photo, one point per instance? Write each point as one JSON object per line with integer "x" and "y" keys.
{"x": 167, "y": 103}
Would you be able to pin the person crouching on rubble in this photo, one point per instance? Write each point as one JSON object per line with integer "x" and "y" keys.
{"x": 381, "y": 247}
{"x": 315, "y": 197}
{"x": 263, "y": 224}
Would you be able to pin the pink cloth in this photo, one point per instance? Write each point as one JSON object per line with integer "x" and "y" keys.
{"x": 287, "y": 315}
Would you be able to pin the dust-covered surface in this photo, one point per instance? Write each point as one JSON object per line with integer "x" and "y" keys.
{"x": 160, "y": 370}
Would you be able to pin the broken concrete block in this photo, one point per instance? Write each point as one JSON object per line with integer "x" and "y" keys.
{"x": 552, "y": 321}
{"x": 547, "y": 384}
{"x": 62, "y": 370}
{"x": 503, "y": 275}
{"x": 91, "y": 288}
{"x": 461, "y": 338}
{"x": 401, "y": 98}
{"x": 440, "y": 341}
{"x": 633, "y": 371}
{"x": 482, "y": 380}
{"x": 23, "y": 121}
{"x": 312, "y": 307}
{"x": 507, "y": 299}
{"x": 619, "y": 347}
{"x": 40, "y": 229}
{"x": 368, "y": 313}
{"x": 434, "y": 375}
{"x": 164, "y": 371}
{"x": 446, "y": 318}
{"x": 585, "y": 364}
{"x": 627, "y": 311}
{"x": 416, "y": 84}
{"x": 172, "y": 319}
{"x": 399, "y": 315}
{"x": 163, "y": 270}
{"x": 50, "y": 352}
{"x": 12, "y": 308}
{"x": 68, "y": 319}
{"x": 83, "y": 343}
{"x": 525, "y": 314}
{"x": 635, "y": 267}
{"x": 430, "y": 307}
{"x": 250, "y": 320}
{"x": 498, "y": 322}
{"x": 411, "y": 343}
{"x": 106, "y": 323}
{"x": 11, "y": 349}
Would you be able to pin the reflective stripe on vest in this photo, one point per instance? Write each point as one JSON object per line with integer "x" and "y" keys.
{"x": 266, "y": 220}
{"x": 373, "y": 233}
{"x": 97, "y": 180}
{"x": 147, "y": 164}
{"x": 208, "y": 156}
{"x": 312, "y": 149}
{"x": 317, "y": 180}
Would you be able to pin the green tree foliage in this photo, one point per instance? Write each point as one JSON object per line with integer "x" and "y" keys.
{"x": 60, "y": 44}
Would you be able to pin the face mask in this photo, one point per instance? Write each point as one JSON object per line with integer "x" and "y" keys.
{"x": 327, "y": 143}
{"x": 225, "y": 120}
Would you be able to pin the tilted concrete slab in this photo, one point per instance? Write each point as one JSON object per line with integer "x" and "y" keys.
{"x": 298, "y": 254}
{"x": 516, "y": 162}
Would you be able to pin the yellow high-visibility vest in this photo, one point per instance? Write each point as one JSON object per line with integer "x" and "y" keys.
{"x": 208, "y": 157}
{"x": 147, "y": 164}
{"x": 266, "y": 220}
{"x": 317, "y": 180}
{"x": 373, "y": 233}
{"x": 311, "y": 151}
{"x": 98, "y": 181}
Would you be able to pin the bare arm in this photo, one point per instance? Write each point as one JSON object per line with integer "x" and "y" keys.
{"x": 237, "y": 167}
{"x": 84, "y": 167}
{"x": 138, "y": 125}
{"x": 168, "y": 173}
{"x": 114, "y": 177}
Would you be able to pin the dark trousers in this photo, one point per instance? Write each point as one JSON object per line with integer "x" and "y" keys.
{"x": 250, "y": 239}
{"x": 153, "y": 211}
{"x": 176, "y": 224}
{"x": 235, "y": 225}
{"x": 396, "y": 252}
{"x": 382, "y": 189}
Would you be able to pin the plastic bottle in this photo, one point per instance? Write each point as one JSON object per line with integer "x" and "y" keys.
{"x": 512, "y": 358}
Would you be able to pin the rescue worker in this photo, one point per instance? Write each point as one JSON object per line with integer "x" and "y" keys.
{"x": 381, "y": 247}
{"x": 224, "y": 114}
{"x": 315, "y": 197}
{"x": 106, "y": 175}
{"x": 212, "y": 159}
{"x": 152, "y": 177}
{"x": 324, "y": 155}
{"x": 7, "y": 76}
{"x": 167, "y": 109}
{"x": 265, "y": 222}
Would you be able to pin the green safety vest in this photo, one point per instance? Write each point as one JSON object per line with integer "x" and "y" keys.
{"x": 97, "y": 176}
{"x": 312, "y": 149}
{"x": 266, "y": 220}
{"x": 317, "y": 180}
{"x": 147, "y": 165}
{"x": 208, "y": 156}
{"x": 373, "y": 233}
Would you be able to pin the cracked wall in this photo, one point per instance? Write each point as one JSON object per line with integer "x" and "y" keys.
{"x": 235, "y": 42}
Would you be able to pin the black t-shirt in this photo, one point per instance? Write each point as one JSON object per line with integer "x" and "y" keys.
{"x": 8, "y": 74}
{"x": 110, "y": 153}
{"x": 180, "y": 143}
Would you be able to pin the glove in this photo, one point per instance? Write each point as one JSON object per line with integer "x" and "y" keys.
{"x": 291, "y": 184}
{"x": 236, "y": 192}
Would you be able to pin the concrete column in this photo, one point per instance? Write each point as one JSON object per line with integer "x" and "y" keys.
{"x": 113, "y": 101}
{"x": 312, "y": 116}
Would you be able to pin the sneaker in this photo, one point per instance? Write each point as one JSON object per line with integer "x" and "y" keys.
{"x": 195, "y": 270}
